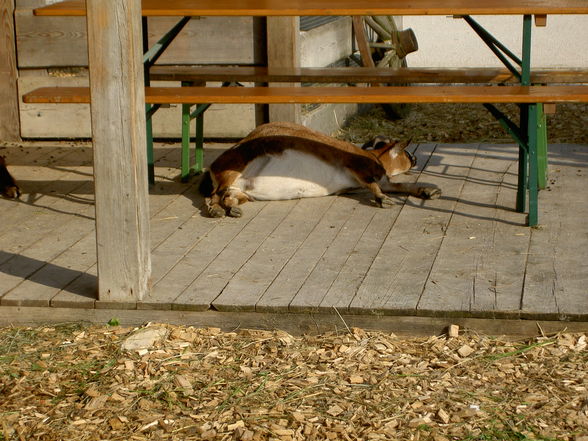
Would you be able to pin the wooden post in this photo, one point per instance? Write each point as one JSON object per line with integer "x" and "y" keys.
{"x": 9, "y": 115}
{"x": 283, "y": 50}
{"x": 120, "y": 159}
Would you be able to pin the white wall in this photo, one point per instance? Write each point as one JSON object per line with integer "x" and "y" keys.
{"x": 326, "y": 44}
{"x": 449, "y": 42}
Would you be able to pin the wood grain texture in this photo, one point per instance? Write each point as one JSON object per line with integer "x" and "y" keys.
{"x": 400, "y": 270}
{"x": 211, "y": 282}
{"x": 285, "y": 286}
{"x": 345, "y": 7}
{"x": 296, "y": 324}
{"x": 10, "y": 121}
{"x": 367, "y": 255}
{"x": 283, "y": 51}
{"x": 62, "y": 41}
{"x": 478, "y": 266}
{"x": 557, "y": 268}
{"x": 392, "y": 94}
{"x": 253, "y": 278}
{"x": 120, "y": 158}
{"x": 262, "y": 74}
{"x": 319, "y": 254}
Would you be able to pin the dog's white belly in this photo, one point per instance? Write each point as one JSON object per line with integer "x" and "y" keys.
{"x": 292, "y": 175}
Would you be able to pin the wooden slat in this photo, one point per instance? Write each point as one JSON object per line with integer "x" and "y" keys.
{"x": 478, "y": 267}
{"x": 251, "y": 281}
{"x": 267, "y": 95}
{"x": 344, "y": 7}
{"x": 10, "y": 121}
{"x": 210, "y": 282}
{"x": 360, "y": 260}
{"x": 293, "y": 275}
{"x": 399, "y": 272}
{"x": 332, "y": 262}
{"x": 555, "y": 276}
{"x": 503, "y": 263}
{"x": 27, "y": 263}
{"x": 18, "y": 218}
{"x": 81, "y": 292}
{"x": 262, "y": 74}
{"x": 61, "y": 41}
{"x": 187, "y": 270}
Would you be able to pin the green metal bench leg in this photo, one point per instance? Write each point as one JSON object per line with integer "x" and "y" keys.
{"x": 150, "y": 156}
{"x": 541, "y": 148}
{"x": 533, "y": 167}
{"x": 199, "y": 145}
{"x": 185, "y": 160}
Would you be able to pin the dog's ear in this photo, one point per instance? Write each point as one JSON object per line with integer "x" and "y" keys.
{"x": 399, "y": 147}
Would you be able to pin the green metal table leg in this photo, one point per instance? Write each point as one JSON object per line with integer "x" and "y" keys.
{"x": 541, "y": 148}
{"x": 528, "y": 124}
{"x": 521, "y": 205}
{"x": 533, "y": 166}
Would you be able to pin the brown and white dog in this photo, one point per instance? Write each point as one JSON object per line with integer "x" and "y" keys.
{"x": 278, "y": 161}
{"x": 8, "y": 187}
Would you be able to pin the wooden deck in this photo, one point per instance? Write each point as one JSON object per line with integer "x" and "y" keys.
{"x": 465, "y": 256}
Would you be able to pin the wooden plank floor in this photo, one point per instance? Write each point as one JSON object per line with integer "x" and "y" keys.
{"x": 467, "y": 254}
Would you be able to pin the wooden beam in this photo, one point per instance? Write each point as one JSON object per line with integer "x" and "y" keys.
{"x": 283, "y": 50}
{"x": 296, "y": 324}
{"x": 9, "y": 114}
{"x": 120, "y": 159}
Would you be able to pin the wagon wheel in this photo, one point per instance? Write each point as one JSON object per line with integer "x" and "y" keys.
{"x": 381, "y": 44}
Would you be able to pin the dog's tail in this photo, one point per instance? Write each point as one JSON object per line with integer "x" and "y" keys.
{"x": 205, "y": 187}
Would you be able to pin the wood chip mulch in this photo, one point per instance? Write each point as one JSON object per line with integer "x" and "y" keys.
{"x": 78, "y": 382}
{"x": 463, "y": 123}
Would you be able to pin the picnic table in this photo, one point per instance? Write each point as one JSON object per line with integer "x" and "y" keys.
{"x": 117, "y": 95}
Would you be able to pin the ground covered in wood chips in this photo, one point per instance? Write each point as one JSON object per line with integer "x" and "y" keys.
{"x": 74, "y": 382}
{"x": 448, "y": 123}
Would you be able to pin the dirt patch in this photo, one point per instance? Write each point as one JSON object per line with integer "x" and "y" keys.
{"x": 76, "y": 382}
{"x": 456, "y": 123}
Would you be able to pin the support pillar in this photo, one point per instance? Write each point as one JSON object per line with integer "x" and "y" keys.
{"x": 120, "y": 158}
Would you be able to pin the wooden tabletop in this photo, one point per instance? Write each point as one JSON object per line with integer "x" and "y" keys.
{"x": 335, "y": 7}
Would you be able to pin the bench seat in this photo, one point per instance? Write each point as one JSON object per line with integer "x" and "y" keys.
{"x": 261, "y": 74}
{"x": 271, "y": 95}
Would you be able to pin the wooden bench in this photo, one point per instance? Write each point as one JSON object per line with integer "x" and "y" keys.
{"x": 281, "y": 95}
{"x": 201, "y": 75}
{"x": 261, "y": 74}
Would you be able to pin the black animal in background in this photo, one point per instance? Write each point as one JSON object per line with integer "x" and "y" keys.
{"x": 8, "y": 187}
